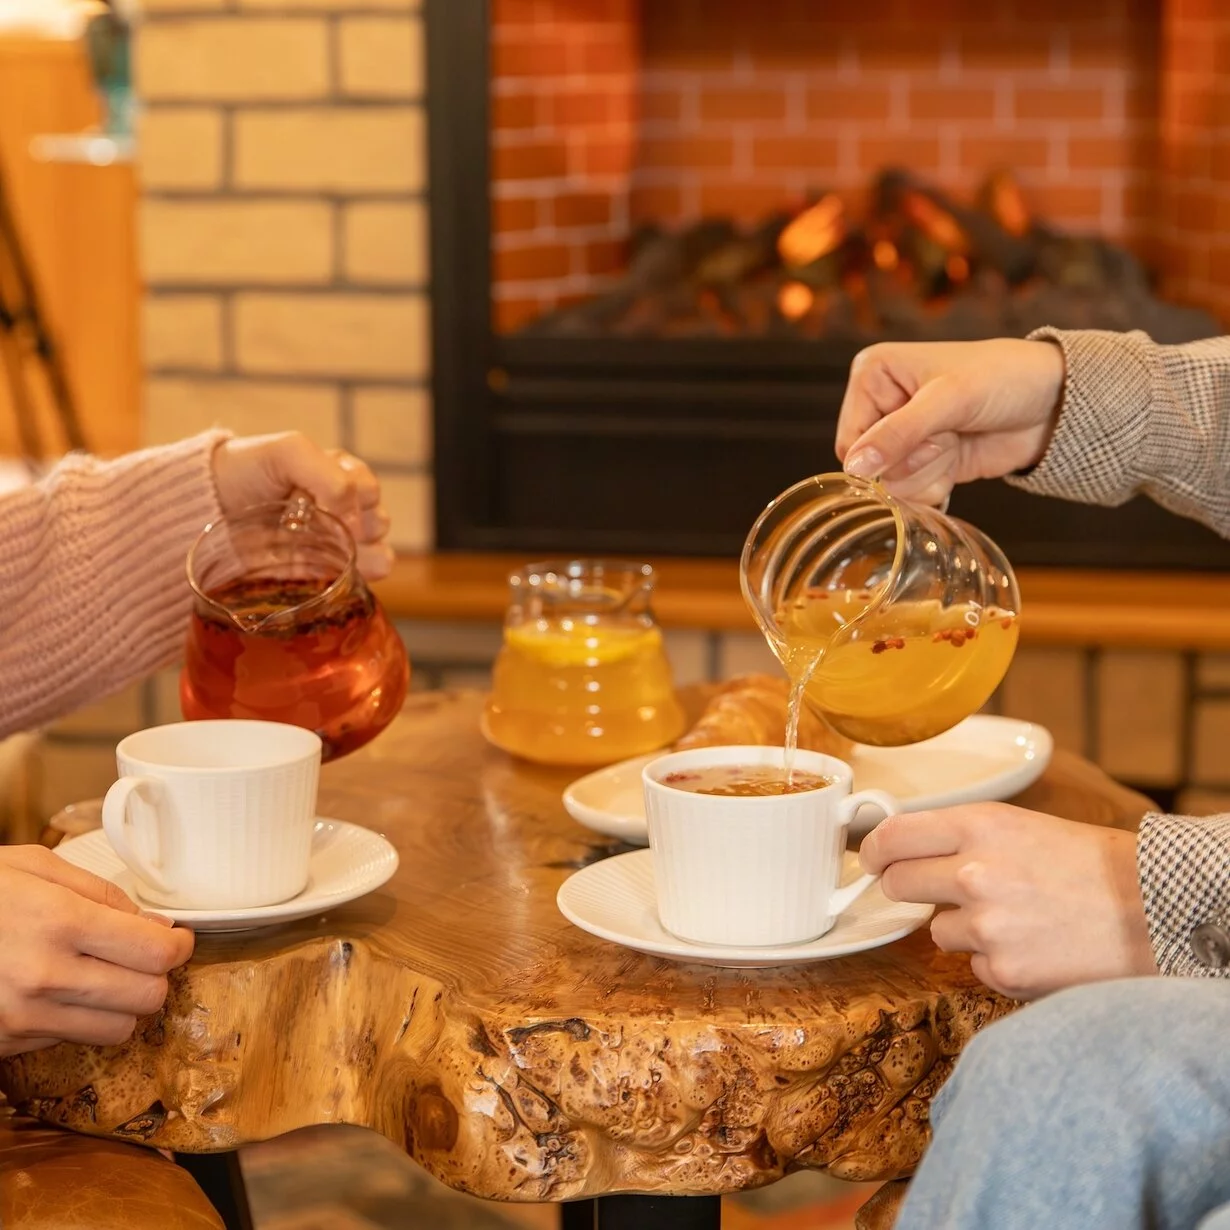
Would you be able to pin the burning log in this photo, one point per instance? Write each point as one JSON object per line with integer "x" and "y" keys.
{"x": 1002, "y": 200}
{"x": 918, "y": 265}
{"x": 974, "y": 237}
{"x": 926, "y": 237}
{"x": 737, "y": 261}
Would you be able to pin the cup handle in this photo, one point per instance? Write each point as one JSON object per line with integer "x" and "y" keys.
{"x": 116, "y": 819}
{"x": 843, "y": 898}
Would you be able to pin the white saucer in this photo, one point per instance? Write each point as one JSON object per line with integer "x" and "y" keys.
{"x": 981, "y": 759}
{"x": 614, "y": 900}
{"x": 347, "y": 862}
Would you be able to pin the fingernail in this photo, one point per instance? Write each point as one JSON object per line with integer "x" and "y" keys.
{"x": 161, "y": 919}
{"x": 866, "y": 463}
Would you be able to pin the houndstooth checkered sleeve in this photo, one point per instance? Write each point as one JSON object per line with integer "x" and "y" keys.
{"x": 1184, "y": 866}
{"x": 1142, "y": 418}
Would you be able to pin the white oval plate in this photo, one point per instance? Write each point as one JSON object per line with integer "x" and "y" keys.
{"x": 347, "y": 862}
{"x": 614, "y": 900}
{"x": 981, "y": 759}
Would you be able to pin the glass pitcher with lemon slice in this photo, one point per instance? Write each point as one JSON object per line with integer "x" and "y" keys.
{"x": 582, "y": 677}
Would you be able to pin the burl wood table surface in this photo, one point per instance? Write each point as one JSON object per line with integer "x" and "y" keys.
{"x": 514, "y": 1056}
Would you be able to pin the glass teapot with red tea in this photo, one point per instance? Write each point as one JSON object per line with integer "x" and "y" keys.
{"x": 284, "y": 629}
{"x": 897, "y": 620}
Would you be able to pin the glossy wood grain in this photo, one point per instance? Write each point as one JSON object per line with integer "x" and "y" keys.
{"x": 513, "y": 1055}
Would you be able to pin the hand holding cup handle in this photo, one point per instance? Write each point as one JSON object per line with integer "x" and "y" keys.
{"x": 119, "y": 822}
{"x": 848, "y": 808}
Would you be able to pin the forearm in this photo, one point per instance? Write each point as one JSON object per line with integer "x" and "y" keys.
{"x": 93, "y": 589}
{"x": 1184, "y": 867}
{"x": 1141, "y": 418}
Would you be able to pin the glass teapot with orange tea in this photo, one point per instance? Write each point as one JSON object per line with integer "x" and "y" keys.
{"x": 896, "y": 620}
{"x": 284, "y": 629}
{"x": 582, "y": 677}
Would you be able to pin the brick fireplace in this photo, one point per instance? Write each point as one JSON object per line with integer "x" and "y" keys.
{"x": 1107, "y": 110}
{"x": 613, "y": 182}
{"x": 619, "y": 112}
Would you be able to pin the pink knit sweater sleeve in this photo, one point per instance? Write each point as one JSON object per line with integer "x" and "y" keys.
{"x": 93, "y": 589}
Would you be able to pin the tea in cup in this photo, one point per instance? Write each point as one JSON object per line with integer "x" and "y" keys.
{"x": 743, "y": 858}
{"x": 215, "y": 815}
{"x": 745, "y": 781}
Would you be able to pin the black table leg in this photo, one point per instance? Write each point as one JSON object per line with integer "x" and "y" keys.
{"x": 659, "y": 1213}
{"x": 218, "y": 1175}
{"x": 578, "y": 1215}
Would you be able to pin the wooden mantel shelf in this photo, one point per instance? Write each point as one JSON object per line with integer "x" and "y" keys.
{"x": 1112, "y": 609}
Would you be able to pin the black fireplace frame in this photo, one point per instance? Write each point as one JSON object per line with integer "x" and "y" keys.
{"x": 547, "y": 445}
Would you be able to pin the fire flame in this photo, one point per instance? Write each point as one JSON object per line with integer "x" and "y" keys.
{"x": 814, "y": 233}
{"x": 885, "y": 255}
{"x": 937, "y": 224}
{"x": 1007, "y": 204}
{"x": 957, "y": 268}
{"x": 794, "y": 300}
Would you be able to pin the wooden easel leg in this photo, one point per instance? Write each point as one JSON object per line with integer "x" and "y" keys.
{"x": 219, "y": 1176}
{"x": 23, "y": 326}
{"x": 12, "y": 362}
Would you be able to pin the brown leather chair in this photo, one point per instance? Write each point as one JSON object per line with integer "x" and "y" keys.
{"x": 55, "y": 1180}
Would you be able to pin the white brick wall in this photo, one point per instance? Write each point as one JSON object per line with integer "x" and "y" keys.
{"x": 284, "y": 229}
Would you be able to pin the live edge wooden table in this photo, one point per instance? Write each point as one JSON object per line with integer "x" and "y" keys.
{"x": 514, "y": 1056}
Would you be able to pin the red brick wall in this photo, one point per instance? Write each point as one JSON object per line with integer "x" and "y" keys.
{"x": 748, "y": 103}
{"x": 564, "y": 90}
{"x": 1194, "y": 219}
{"x": 613, "y": 111}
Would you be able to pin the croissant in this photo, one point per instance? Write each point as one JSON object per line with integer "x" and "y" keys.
{"x": 752, "y": 710}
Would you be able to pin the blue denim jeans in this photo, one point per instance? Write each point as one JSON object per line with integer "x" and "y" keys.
{"x": 1106, "y": 1107}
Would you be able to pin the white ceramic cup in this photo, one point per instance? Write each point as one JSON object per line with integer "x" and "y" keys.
{"x": 752, "y": 871}
{"x": 215, "y": 815}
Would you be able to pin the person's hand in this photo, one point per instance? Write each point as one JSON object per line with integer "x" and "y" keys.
{"x": 924, "y": 416}
{"x": 78, "y": 960}
{"x": 1041, "y": 903}
{"x": 264, "y": 469}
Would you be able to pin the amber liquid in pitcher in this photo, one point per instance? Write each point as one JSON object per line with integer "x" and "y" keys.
{"x": 912, "y": 671}
{"x": 335, "y": 674}
{"x": 573, "y": 690}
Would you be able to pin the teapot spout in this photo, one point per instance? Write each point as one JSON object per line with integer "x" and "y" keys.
{"x": 243, "y": 620}
{"x": 272, "y": 567}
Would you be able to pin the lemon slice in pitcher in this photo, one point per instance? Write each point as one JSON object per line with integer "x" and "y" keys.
{"x": 568, "y": 642}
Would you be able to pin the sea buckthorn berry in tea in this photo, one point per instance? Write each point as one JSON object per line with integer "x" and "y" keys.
{"x": 745, "y": 781}
{"x": 900, "y": 678}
